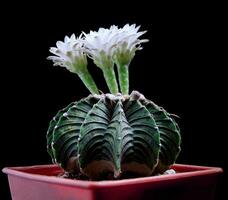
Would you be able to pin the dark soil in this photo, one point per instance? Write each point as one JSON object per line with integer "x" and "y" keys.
{"x": 105, "y": 176}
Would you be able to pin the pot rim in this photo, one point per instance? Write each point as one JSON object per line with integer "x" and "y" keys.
{"x": 189, "y": 171}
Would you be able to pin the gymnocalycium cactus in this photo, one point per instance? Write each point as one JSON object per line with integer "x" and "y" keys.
{"x": 106, "y": 136}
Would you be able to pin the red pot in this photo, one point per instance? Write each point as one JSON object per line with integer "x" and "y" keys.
{"x": 41, "y": 183}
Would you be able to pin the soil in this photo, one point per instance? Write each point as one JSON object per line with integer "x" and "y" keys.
{"x": 108, "y": 176}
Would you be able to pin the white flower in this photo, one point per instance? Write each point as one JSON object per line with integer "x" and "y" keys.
{"x": 69, "y": 54}
{"x": 113, "y": 44}
{"x": 128, "y": 43}
{"x": 100, "y": 45}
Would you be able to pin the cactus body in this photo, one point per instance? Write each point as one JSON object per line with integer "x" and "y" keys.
{"x": 110, "y": 135}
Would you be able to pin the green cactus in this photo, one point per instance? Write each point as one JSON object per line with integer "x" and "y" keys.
{"x": 116, "y": 135}
{"x": 110, "y": 135}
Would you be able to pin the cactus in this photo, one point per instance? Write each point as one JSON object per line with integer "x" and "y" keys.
{"x": 110, "y": 136}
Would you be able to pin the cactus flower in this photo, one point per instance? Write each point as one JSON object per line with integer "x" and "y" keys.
{"x": 114, "y": 45}
{"x": 100, "y": 46}
{"x": 70, "y": 54}
{"x": 127, "y": 44}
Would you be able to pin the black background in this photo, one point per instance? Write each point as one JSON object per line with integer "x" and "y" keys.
{"x": 182, "y": 69}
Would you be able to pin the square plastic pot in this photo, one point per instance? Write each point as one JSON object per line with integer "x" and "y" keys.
{"x": 41, "y": 183}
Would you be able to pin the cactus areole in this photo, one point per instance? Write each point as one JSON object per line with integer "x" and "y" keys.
{"x": 112, "y": 135}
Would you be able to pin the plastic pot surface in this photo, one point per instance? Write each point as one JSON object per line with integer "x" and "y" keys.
{"x": 41, "y": 183}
